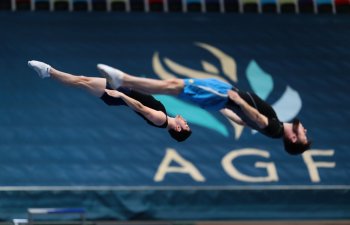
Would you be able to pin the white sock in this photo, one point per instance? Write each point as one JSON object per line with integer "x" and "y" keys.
{"x": 114, "y": 76}
{"x": 41, "y": 68}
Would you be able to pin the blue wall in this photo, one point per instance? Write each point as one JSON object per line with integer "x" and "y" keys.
{"x": 62, "y": 147}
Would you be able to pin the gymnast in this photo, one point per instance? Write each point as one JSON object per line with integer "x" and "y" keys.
{"x": 146, "y": 106}
{"x": 243, "y": 108}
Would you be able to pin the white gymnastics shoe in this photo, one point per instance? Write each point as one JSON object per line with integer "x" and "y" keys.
{"x": 41, "y": 68}
{"x": 114, "y": 76}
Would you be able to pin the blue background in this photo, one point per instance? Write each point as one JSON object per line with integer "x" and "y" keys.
{"x": 60, "y": 143}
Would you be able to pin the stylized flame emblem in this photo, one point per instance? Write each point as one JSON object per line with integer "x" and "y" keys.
{"x": 287, "y": 107}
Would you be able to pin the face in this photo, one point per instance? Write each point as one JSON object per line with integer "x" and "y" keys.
{"x": 181, "y": 124}
{"x": 299, "y": 131}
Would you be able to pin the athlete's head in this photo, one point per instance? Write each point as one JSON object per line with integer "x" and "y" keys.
{"x": 296, "y": 141}
{"x": 181, "y": 131}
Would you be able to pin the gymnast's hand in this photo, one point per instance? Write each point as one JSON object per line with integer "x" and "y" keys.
{"x": 113, "y": 93}
{"x": 234, "y": 96}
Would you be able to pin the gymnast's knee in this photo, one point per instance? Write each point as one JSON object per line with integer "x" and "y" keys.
{"x": 173, "y": 86}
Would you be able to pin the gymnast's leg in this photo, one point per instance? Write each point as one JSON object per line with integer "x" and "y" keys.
{"x": 93, "y": 85}
{"x": 117, "y": 78}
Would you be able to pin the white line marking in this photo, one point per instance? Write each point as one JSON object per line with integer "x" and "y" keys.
{"x": 170, "y": 188}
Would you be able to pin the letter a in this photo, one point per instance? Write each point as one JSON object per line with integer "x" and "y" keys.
{"x": 185, "y": 167}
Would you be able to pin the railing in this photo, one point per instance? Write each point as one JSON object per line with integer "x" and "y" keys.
{"x": 219, "y": 6}
{"x": 33, "y": 213}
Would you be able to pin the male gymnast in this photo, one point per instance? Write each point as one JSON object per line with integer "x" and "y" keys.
{"x": 244, "y": 108}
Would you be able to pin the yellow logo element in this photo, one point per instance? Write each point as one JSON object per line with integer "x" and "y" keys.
{"x": 227, "y": 63}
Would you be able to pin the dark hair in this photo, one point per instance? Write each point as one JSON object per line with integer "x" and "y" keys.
{"x": 180, "y": 136}
{"x": 295, "y": 148}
